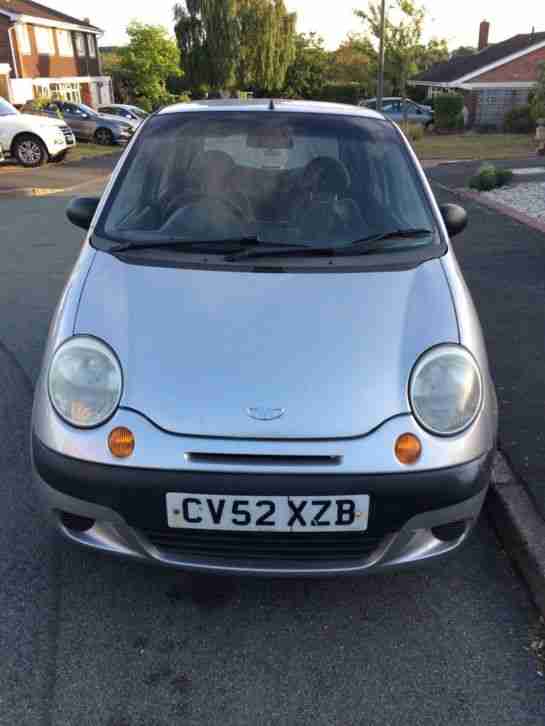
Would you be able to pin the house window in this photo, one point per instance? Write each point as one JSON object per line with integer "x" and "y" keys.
{"x": 23, "y": 39}
{"x": 64, "y": 41}
{"x": 92, "y": 46}
{"x": 44, "y": 41}
{"x": 80, "y": 44}
{"x": 66, "y": 92}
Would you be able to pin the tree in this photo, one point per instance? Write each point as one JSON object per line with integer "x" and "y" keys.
{"x": 150, "y": 58}
{"x": 190, "y": 36}
{"x": 307, "y": 74}
{"x": 463, "y": 51}
{"x": 206, "y": 32}
{"x": 111, "y": 65}
{"x": 266, "y": 34}
{"x": 426, "y": 56}
{"x": 538, "y": 96}
{"x": 247, "y": 42}
{"x": 403, "y": 40}
{"x": 354, "y": 61}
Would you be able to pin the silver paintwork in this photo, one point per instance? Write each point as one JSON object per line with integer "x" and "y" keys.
{"x": 233, "y": 340}
{"x": 413, "y": 544}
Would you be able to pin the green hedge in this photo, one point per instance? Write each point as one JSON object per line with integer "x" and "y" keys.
{"x": 449, "y": 111}
{"x": 490, "y": 177}
{"x": 342, "y": 93}
{"x": 519, "y": 121}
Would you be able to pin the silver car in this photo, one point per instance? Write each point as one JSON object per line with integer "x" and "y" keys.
{"x": 403, "y": 109}
{"x": 266, "y": 360}
{"x": 125, "y": 111}
{"x": 86, "y": 123}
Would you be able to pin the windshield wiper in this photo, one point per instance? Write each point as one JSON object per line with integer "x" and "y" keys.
{"x": 243, "y": 244}
{"x": 364, "y": 246}
{"x": 185, "y": 244}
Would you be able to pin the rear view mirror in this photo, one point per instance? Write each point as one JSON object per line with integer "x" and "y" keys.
{"x": 81, "y": 211}
{"x": 455, "y": 218}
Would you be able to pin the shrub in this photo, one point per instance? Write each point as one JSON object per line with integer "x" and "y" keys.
{"x": 342, "y": 93}
{"x": 415, "y": 132}
{"x": 503, "y": 177}
{"x": 519, "y": 121}
{"x": 489, "y": 177}
{"x": 449, "y": 111}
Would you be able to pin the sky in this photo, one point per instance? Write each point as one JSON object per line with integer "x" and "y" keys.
{"x": 456, "y": 20}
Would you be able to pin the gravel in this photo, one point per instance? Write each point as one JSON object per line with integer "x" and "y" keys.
{"x": 527, "y": 198}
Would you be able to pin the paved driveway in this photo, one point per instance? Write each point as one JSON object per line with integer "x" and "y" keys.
{"x": 87, "y": 640}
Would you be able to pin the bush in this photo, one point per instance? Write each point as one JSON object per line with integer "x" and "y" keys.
{"x": 414, "y": 132}
{"x": 503, "y": 177}
{"x": 342, "y": 93}
{"x": 489, "y": 177}
{"x": 449, "y": 111}
{"x": 519, "y": 121}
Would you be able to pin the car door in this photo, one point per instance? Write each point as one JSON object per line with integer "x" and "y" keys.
{"x": 394, "y": 110}
{"x": 80, "y": 123}
{"x": 414, "y": 113}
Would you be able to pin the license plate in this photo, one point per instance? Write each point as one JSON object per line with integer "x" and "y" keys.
{"x": 263, "y": 513}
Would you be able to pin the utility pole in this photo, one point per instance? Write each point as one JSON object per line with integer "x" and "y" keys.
{"x": 380, "y": 87}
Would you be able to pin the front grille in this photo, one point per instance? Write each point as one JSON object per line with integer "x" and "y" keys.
{"x": 265, "y": 546}
{"x": 68, "y": 133}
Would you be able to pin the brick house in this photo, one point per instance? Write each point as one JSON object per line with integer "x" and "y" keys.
{"x": 494, "y": 80}
{"x": 47, "y": 53}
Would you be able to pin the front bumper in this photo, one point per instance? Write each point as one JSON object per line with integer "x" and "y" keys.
{"x": 127, "y": 513}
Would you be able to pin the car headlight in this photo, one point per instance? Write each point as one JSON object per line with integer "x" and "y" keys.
{"x": 446, "y": 390}
{"x": 85, "y": 382}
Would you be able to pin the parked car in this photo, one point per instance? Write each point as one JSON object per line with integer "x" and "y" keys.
{"x": 126, "y": 111}
{"x": 30, "y": 140}
{"x": 403, "y": 109}
{"x": 86, "y": 123}
{"x": 244, "y": 375}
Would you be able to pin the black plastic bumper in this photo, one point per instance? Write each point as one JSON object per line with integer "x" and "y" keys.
{"x": 138, "y": 495}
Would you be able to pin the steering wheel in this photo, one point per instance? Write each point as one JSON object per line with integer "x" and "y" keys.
{"x": 185, "y": 201}
{"x": 206, "y": 203}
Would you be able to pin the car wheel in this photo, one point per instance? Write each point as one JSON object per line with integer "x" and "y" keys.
{"x": 104, "y": 137}
{"x": 30, "y": 151}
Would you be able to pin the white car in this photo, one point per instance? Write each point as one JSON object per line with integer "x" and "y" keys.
{"x": 32, "y": 140}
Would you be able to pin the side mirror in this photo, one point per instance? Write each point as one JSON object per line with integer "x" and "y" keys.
{"x": 455, "y": 218}
{"x": 81, "y": 211}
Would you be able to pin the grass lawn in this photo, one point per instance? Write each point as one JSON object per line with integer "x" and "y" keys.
{"x": 475, "y": 146}
{"x": 85, "y": 150}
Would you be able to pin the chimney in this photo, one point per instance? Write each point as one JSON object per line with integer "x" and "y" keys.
{"x": 484, "y": 30}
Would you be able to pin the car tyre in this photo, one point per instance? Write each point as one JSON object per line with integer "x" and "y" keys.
{"x": 104, "y": 137}
{"x": 30, "y": 151}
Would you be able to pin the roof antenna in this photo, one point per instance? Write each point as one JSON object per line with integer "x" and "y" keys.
{"x": 271, "y": 105}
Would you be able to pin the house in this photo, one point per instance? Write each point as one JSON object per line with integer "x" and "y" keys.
{"x": 46, "y": 53}
{"x": 494, "y": 80}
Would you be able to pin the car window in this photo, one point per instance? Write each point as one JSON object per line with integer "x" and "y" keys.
{"x": 104, "y": 109}
{"x": 392, "y": 107}
{"x": 371, "y": 104}
{"x": 283, "y": 177}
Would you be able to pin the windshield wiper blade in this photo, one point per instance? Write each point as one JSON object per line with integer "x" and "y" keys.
{"x": 392, "y": 234}
{"x": 366, "y": 245}
{"x": 188, "y": 244}
{"x": 278, "y": 250}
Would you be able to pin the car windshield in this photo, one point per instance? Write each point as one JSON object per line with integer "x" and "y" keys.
{"x": 6, "y": 109}
{"x": 139, "y": 112}
{"x": 87, "y": 109}
{"x": 275, "y": 177}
